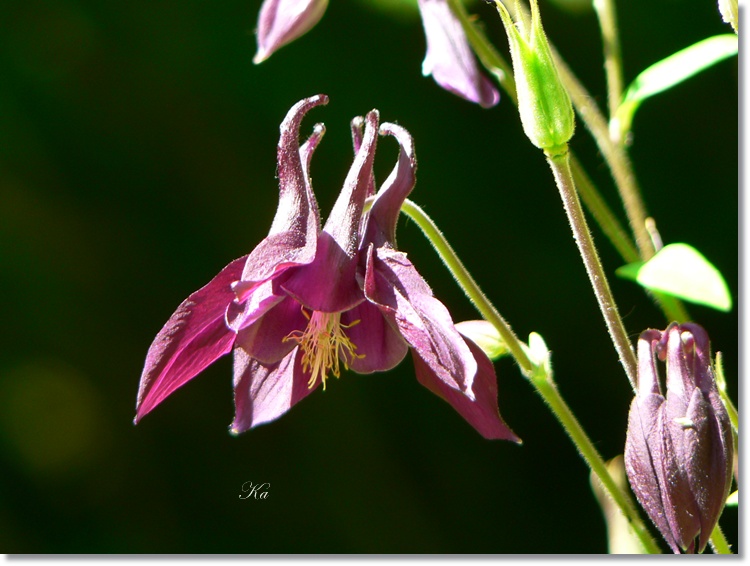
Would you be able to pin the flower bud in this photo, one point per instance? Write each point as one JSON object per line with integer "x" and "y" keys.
{"x": 545, "y": 108}
{"x": 678, "y": 452}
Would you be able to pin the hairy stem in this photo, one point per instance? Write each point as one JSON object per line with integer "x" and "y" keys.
{"x": 467, "y": 283}
{"x": 590, "y": 195}
{"x": 539, "y": 374}
{"x": 547, "y": 389}
{"x": 560, "y": 165}
{"x": 602, "y": 213}
{"x": 614, "y": 154}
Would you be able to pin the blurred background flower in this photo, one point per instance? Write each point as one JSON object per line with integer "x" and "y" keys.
{"x": 136, "y": 137}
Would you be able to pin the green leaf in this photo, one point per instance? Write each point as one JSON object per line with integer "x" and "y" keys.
{"x": 682, "y": 271}
{"x": 671, "y": 71}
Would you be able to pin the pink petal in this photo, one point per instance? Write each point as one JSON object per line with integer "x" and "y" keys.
{"x": 266, "y": 339}
{"x": 254, "y": 304}
{"x": 264, "y": 392}
{"x": 381, "y": 346}
{"x": 481, "y": 412}
{"x": 192, "y": 339}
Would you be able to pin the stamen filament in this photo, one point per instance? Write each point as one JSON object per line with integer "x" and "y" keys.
{"x": 324, "y": 345}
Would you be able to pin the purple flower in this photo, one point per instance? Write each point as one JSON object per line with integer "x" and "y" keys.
{"x": 450, "y": 59}
{"x": 282, "y": 21}
{"x": 307, "y": 301}
{"x": 678, "y": 452}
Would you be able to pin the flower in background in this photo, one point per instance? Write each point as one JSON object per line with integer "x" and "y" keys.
{"x": 449, "y": 57}
{"x": 306, "y": 301}
{"x": 678, "y": 452}
{"x": 282, "y": 21}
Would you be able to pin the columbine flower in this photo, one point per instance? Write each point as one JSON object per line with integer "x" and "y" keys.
{"x": 678, "y": 453}
{"x": 450, "y": 59}
{"x": 282, "y": 21}
{"x": 307, "y": 301}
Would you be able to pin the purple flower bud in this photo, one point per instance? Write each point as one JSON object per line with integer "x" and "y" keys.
{"x": 282, "y": 21}
{"x": 678, "y": 452}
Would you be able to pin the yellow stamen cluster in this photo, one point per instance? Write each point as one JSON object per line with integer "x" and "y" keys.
{"x": 323, "y": 345}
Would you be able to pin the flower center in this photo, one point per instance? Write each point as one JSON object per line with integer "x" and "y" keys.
{"x": 324, "y": 344}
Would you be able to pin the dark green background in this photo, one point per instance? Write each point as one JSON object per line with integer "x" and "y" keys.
{"x": 137, "y": 158}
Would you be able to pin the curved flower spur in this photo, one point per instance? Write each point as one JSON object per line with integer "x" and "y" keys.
{"x": 306, "y": 301}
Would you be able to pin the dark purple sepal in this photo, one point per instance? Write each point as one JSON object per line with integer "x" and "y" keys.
{"x": 449, "y": 57}
{"x": 482, "y": 411}
{"x": 394, "y": 285}
{"x": 192, "y": 339}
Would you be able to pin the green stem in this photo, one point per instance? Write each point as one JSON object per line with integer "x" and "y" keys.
{"x": 468, "y": 284}
{"x": 591, "y": 197}
{"x": 602, "y": 213}
{"x": 548, "y": 390}
{"x": 560, "y": 165}
{"x": 719, "y": 542}
{"x": 672, "y": 308}
{"x": 614, "y": 154}
{"x": 539, "y": 374}
{"x": 605, "y": 10}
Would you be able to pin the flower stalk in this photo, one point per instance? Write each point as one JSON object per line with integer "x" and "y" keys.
{"x": 467, "y": 283}
{"x": 590, "y": 195}
{"x": 606, "y": 12}
{"x": 538, "y": 371}
{"x": 560, "y": 165}
{"x": 546, "y": 387}
{"x": 614, "y": 154}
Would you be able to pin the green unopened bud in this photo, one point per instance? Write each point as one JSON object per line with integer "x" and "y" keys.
{"x": 545, "y": 108}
